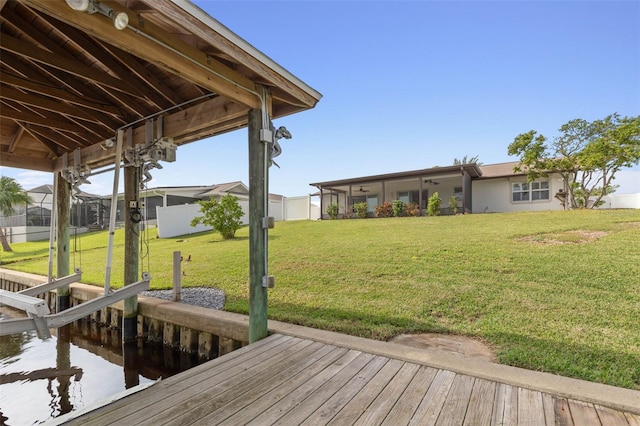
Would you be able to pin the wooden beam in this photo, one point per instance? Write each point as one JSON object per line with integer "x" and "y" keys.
{"x": 201, "y": 29}
{"x": 15, "y": 138}
{"x": 26, "y": 162}
{"x": 27, "y": 117}
{"x": 59, "y": 94}
{"x": 73, "y": 67}
{"x": 102, "y": 55}
{"x": 59, "y": 138}
{"x": 156, "y": 46}
{"x": 9, "y": 92}
{"x": 63, "y": 211}
{"x": 210, "y": 114}
{"x": 131, "y": 251}
{"x": 257, "y": 242}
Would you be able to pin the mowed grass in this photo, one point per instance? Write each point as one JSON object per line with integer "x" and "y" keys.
{"x": 550, "y": 291}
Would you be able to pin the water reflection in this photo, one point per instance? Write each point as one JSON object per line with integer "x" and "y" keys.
{"x": 79, "y": 366}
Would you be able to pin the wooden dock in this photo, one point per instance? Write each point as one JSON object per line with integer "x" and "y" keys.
{"x": 290, "y": 380}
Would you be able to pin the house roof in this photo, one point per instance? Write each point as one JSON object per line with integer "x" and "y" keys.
{"x": 70, "y": 80}
{"x": 472, "y": 169}
{"x": 48, "y": 189}
{"x": 491, "y": 171}
{"x": 226, "y": 188}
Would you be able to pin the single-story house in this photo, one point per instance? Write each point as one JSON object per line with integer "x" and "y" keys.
{"x": 31, "y": 222}
{"x": 178, "y": 195}
{"x": 478, "y": 188}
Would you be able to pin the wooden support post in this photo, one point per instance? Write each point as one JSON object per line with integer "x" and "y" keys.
{"x": 177, "y": 276}
{"x": 63, "y": 208}
{"x": 257, "y": 241}
{"x": 131, "y": 249}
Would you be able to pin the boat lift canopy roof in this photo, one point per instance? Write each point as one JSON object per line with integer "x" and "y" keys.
{"x": 69, "y": 79}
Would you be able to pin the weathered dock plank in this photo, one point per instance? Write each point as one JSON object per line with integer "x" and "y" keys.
{"x": 317, "y": 363}
{"x": 431, "y": 405}
{"x": 289, "y": 380}
{"x": 285, "y": 405}
{"x": 530, "y": 411}
{"x": 409, "y": 401}
{"x": 457, "y": 402}
{"x": 481, "y": 403}
{"x": 384, "y": 401}
{"x": 505, "y": 407}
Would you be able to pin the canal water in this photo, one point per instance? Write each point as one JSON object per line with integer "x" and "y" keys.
{"x": 81, "y": 365}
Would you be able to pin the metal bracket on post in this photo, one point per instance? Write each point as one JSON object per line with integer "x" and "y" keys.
{"x": 268, "y": 222}
{"x": 268, "y": 281}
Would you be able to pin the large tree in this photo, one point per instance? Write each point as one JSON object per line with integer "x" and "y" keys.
{"x": 11, "y": 194}
{"x": 586, "y": 154}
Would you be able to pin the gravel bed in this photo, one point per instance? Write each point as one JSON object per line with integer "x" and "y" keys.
{"x": 206, "y": 297}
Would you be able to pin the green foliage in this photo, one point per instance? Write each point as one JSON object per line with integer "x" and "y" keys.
{"x": 223, "y": 216}
{"x": 435, "y": 204}
{"x": 398, "y": 208}
{"x": 361, "y": 210}
{"x": 466, "y": 160}
{"x": 586, "y": 154}
{"x": 384, "y": 210}
{"x": 453, "y": 204}
{"x": 332, "y": 210}
{"x": 11, "y": 194}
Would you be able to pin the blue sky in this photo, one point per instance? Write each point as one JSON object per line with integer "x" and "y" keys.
{"x": 414, "y": 84}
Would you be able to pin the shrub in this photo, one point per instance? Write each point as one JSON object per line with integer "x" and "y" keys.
{"x": 385, "y": 210}
{"x": 332, "y": 210}
{"x": 453, "y": 204}
{"x": 398, "y": 207}
{"x": 361, "y": 209}
{"x": 412, "y": 210}
{"x": 223, "y": 216}
{"x": 434, "y": 206}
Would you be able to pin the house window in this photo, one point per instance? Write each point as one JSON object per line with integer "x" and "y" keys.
{"x": 530, "y": 191}
{"x": 404, "y": 197}
{"x": 371, "y": 200}
{"x": 457, "y": 192}
{"x": 410, "y": 197}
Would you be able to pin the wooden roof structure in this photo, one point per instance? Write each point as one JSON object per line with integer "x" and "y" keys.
{"x": 69, "y": 79}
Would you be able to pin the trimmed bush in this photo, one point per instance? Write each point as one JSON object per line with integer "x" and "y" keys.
{"x": 361, "y": 209}
{"x": 385, "y": 210}
{"x": 332, "y": 210}
{"x": 435, "y": 204}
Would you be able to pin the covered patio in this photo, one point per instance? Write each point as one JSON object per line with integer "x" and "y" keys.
{"x": 412, "y": 187}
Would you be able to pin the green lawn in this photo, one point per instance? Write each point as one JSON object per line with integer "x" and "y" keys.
{"x": 550, "y": 291}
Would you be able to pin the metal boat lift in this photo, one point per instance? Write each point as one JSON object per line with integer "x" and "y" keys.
{"x": 40, "y": 317}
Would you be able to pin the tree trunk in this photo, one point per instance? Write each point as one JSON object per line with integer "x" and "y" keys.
{"x": 3, "y": 240}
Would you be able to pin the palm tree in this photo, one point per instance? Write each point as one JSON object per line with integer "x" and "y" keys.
{"x": 11, "y": 194}
{"x": 466, "y": 160}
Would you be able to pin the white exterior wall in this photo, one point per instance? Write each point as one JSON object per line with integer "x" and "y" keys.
{"x": 494, "y": 195}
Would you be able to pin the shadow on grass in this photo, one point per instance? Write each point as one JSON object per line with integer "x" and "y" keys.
{"x": 371, "y": 326}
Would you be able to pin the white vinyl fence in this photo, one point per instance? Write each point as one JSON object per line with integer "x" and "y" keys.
{"x": 173, "y": 221}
